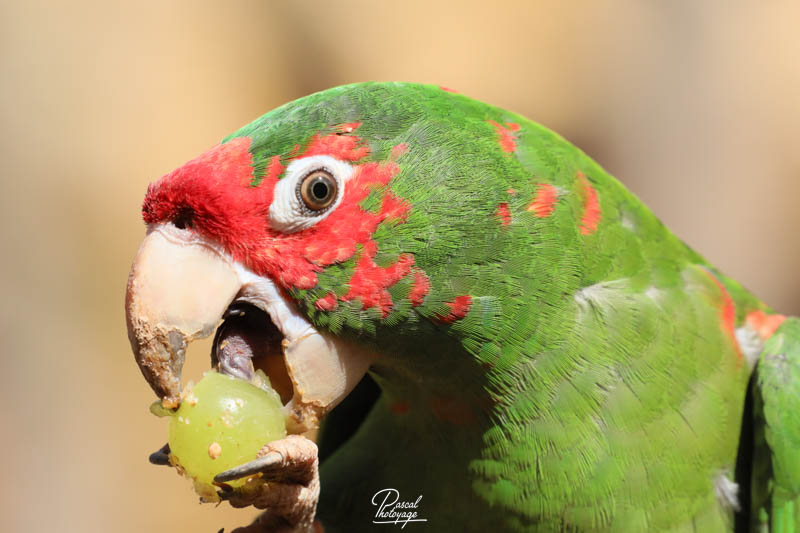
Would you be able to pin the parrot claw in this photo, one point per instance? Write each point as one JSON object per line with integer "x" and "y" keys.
{"x": 161, "y": 456}
{"x": 248, "y": 469}
{"x": 289, "y": 460}
{"x": 290, "y": 468}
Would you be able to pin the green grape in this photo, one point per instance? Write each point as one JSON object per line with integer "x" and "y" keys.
{"x": 221, "y": 423}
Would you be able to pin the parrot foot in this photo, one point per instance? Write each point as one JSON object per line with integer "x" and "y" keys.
{"x": 290, "y": 468}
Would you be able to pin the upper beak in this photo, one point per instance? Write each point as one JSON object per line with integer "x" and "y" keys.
{"x": 178, "y": 289}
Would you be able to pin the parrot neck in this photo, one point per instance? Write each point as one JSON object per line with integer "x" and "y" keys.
{"x": 434, "y": 392}
{"x": 420, "y": 439}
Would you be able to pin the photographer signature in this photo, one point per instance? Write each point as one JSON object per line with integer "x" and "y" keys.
{"x": 392, "y": 510}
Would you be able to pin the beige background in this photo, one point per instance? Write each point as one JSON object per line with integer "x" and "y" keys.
{"x": 694, "y": 105}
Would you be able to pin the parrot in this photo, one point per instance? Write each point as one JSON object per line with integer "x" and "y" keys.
{"x": 489, "y": 331}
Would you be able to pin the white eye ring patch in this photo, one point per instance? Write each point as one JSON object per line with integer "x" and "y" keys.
{"x": 287, "y": 213}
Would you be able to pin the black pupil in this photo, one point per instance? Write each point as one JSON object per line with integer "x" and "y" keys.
{"x": 320, "y": 190}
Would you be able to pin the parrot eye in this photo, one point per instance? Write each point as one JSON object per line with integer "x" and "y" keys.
{"x": 317, "y": 189}
{"x": 312, "y": 188}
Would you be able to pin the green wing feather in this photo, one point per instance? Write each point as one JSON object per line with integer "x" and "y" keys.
{"x": 777, "y": 409}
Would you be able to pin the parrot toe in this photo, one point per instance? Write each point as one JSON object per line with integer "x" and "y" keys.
{"x": 291, "y": 468}
{"x": 289, "y": 460}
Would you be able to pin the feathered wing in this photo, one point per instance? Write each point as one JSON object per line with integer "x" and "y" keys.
{"x": 777, "y": 408}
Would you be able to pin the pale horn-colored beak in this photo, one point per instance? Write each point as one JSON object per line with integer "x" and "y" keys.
{"x": 178, "y": 288}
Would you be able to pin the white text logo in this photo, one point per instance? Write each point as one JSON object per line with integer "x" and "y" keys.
{"x": 393, "y": 510}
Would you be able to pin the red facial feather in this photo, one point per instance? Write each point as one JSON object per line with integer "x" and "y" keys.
{"x": 216, "y": 188}
{"x": 370, "y": 281}
{"x": 327, "y": 302}
{"x": 420, "y": 288}
{"x": 208, "y": 187}
{"x": 334, "y": 239}
{"x": 344, "y": 147}
{"x": 274, "y": 168}
{"x": 394, "y": 208}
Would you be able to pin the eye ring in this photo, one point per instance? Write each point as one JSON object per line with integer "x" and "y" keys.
{"x": 318, "y": 189}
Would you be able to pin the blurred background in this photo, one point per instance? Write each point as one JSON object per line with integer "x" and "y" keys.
{"x": 693, "y": 105}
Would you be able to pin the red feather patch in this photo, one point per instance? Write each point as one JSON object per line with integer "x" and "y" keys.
{"x": 544, "y": 202}
{"x": 764, "y": 324}
{"x": 398, "y": 150}
{"x": 345, "y": 147}
{"x": 274, "y": 169}
{"x": 503, "y": 214}
{"x": 506, "y": 137}
{"x": 458, "y": 309}
{"x": 215, "y": 189}
{"x": 727, "y": 313}
{"x": 370, "y": 281}
{"x": 327, "y": 302}
{"x": 420, "y": 288}
{"x": 591, "y": 207}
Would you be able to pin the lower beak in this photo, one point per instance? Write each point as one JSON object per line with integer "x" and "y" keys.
{"x": 178, "y": 289}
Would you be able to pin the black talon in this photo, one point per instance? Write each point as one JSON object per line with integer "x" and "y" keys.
{"x": 224, "y": 488}
{"x": 160, "y": 457}
{"x": 248, "y": 469}
{"x": 225, "y": 495}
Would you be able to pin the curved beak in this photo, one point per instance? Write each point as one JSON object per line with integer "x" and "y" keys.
{"x": 178, "y": 288}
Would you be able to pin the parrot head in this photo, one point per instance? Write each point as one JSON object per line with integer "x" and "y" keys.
{"x": 347, "y": 224}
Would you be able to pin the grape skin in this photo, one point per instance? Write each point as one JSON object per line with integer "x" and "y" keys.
{"x": 226, "y": 417}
